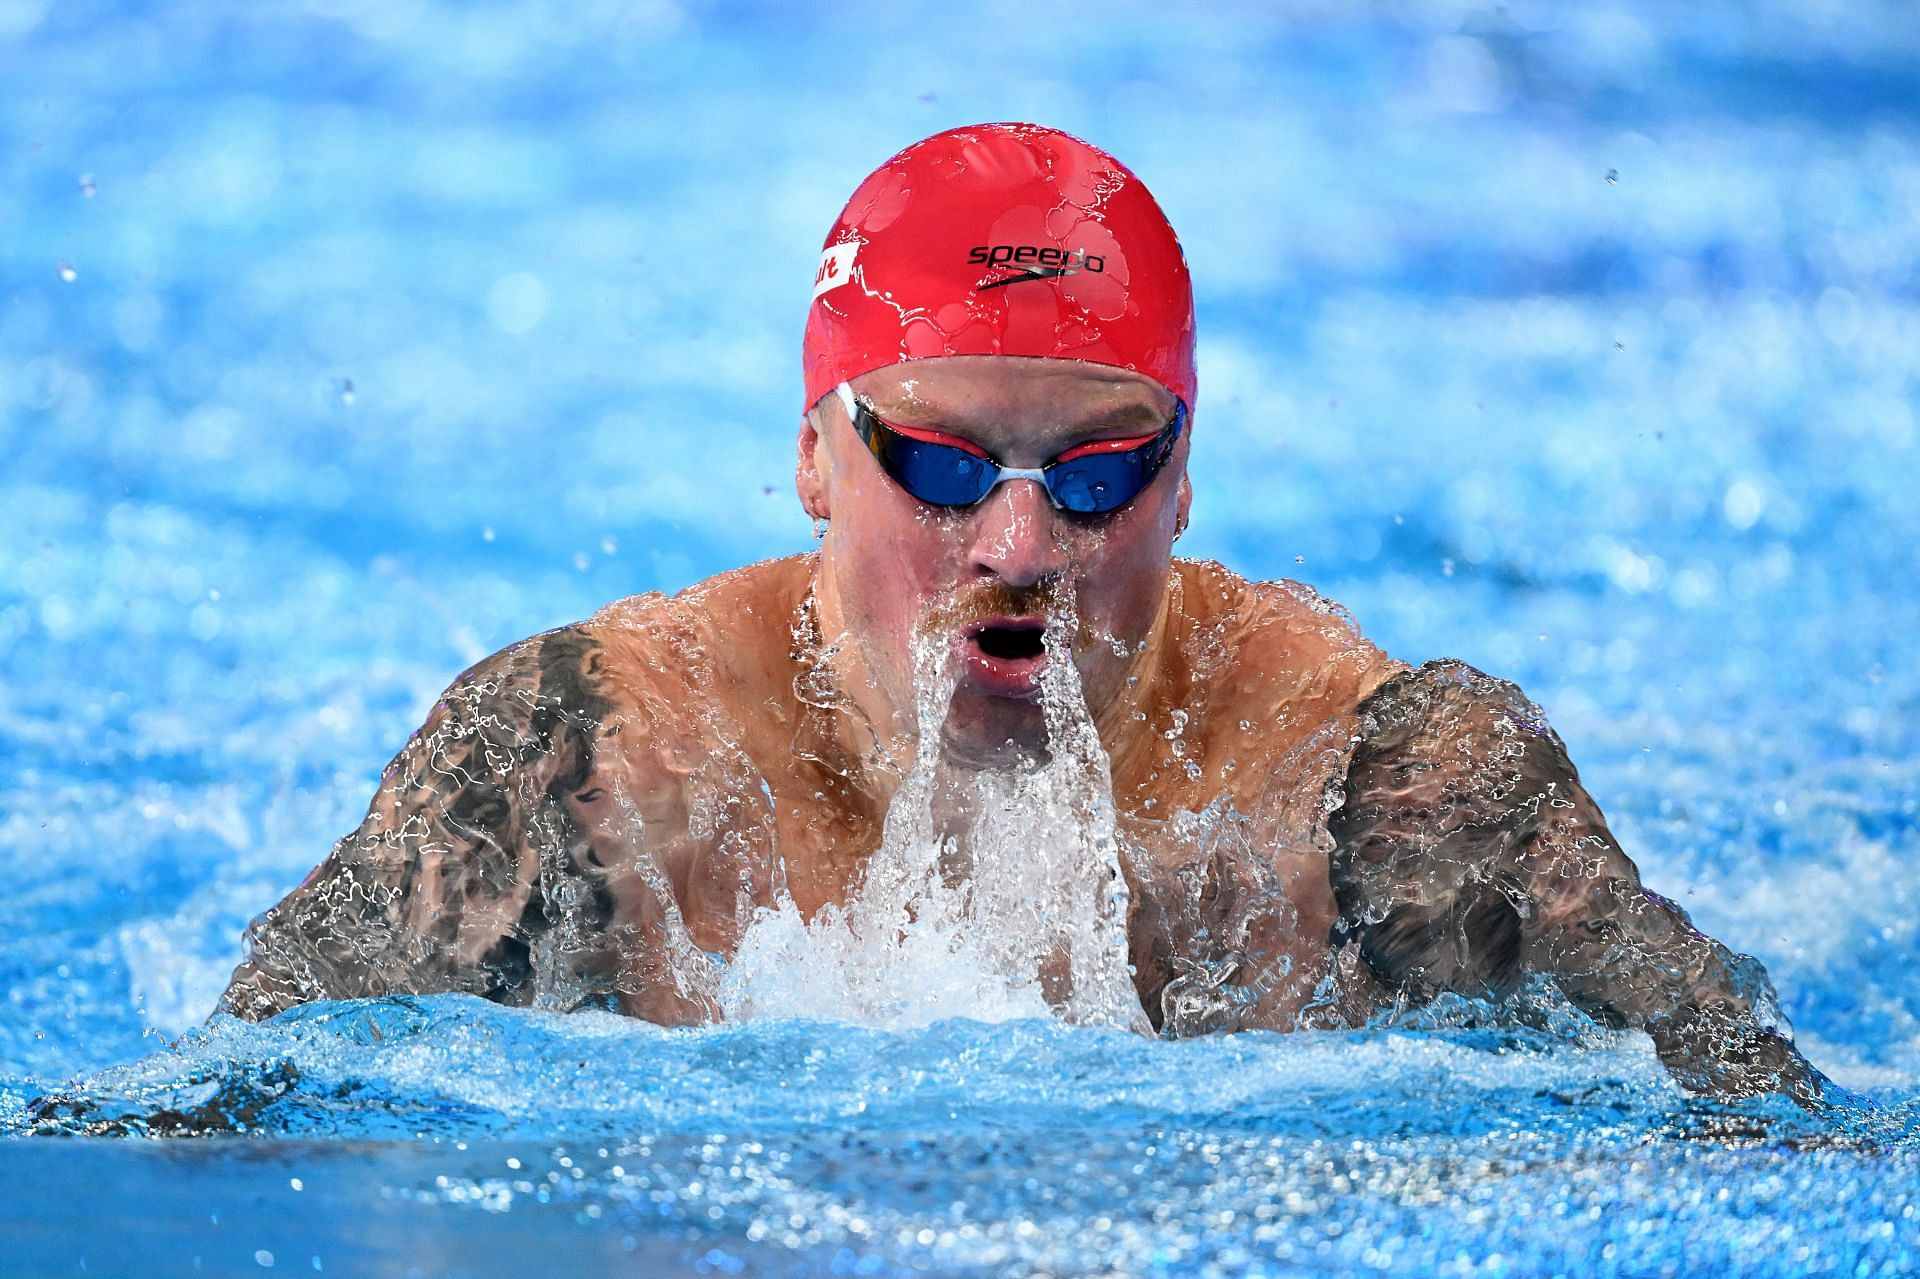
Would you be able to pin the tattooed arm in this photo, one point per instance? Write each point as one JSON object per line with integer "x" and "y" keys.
{"x": 448, "y": 885}
{"x": 1468, "y": 854}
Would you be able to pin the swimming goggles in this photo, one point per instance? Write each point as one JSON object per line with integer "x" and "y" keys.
{"x": 945, "y": 470}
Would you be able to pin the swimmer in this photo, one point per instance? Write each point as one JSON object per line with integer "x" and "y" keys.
{"x": 1000, "y": 395}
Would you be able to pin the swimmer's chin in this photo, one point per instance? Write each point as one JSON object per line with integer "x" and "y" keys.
{"x": 1008, "y": 738}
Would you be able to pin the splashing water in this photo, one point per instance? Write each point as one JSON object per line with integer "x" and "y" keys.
{"x": 994, "y": 895}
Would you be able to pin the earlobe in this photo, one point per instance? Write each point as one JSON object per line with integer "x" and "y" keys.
{"x": 807, "y": 478}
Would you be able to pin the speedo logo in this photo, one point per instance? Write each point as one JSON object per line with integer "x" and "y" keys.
{"x": 1032, "y": 262}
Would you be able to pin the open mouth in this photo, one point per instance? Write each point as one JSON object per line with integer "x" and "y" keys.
{"x": 1005, "y": 657}
{"x": 1014, "y": 642}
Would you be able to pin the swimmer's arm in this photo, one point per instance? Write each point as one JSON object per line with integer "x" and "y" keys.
{"x": 1468, "y": 841}
{"x": 440, "y": 887}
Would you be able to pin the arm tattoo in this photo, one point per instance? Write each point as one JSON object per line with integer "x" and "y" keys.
{"x": 1468, "y": 855}
{"x": 468, "y": 873}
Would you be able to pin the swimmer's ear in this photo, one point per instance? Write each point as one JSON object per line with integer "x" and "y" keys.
{"x": 808, "y": 478}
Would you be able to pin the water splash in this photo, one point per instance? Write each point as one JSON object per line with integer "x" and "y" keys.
{"x": 994, "y": 895}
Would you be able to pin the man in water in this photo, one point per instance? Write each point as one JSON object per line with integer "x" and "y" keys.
{"x": 1000, "y": 391}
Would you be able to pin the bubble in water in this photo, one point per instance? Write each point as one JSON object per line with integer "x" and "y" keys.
{"x": 67, "y": 272}
{"x": 346, "y": 391}
{"x": 1613, "y": 176}
{"x": 87, "y": 186}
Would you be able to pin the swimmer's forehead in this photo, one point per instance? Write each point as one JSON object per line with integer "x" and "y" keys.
{"x": 1020, "y": 394}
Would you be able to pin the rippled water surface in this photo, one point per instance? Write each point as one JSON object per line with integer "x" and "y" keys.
{"x": 341, "y": 344}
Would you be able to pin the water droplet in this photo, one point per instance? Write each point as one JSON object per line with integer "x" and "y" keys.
{"x": 87, "y": 186}
{"x": 580, "y": 561}
{"x": 609, "y": 547}
{"x": 1299, "y": 559}
{"x": 1446, "y": 568}
{"x": 1619, "y": 346}
{"x": 486, "y": 534}
{"x": 346, "y": 390}
{"x": 67, "y": 272}
{"x": 1613, "y": 176}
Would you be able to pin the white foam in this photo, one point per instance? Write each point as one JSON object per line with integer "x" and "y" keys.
{"x": 1015, "y": 908}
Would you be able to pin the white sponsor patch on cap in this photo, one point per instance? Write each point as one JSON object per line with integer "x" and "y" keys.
{"x": 836, "y": 267}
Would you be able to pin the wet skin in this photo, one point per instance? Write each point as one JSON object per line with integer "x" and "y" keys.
{"x": 888, "y": 559}
{"x": 586, "y": 811}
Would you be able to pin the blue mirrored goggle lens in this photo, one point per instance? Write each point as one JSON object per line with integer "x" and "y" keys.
{"x": 938, "y": 474}
{"x": 1101, "y": 482}
{"x": 942, "y": 475}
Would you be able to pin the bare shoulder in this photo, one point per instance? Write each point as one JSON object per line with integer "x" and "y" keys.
{"x": 731, "y": 631}
{"x": 556, "y": 671}
{"x": 1282, "y": 639}
{"x": 1471, "y": 855}
{"x": 440, "y": 886}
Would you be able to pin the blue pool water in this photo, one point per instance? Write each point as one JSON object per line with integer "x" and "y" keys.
{"x": 343, "y": 343}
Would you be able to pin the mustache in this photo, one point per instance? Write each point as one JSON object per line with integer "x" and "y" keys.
{"x": 983, "y": 600}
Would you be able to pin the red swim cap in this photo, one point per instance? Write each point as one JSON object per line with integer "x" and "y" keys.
{"x": 1001, "y": 239}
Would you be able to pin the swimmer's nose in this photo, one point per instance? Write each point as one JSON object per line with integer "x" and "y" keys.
{"x": 1015, "y": 535}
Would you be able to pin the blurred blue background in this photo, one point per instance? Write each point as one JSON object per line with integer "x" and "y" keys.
{"x": 342, "y": 343}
